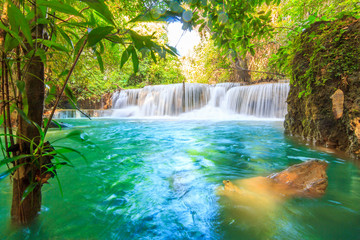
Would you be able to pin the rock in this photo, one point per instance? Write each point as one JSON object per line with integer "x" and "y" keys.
{"x": 308, "y": 178}
{"x": 338, "y": 103}
{"x": 322, "y": 115}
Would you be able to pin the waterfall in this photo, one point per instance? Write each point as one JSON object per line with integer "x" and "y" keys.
{"x": 261, "y": 100}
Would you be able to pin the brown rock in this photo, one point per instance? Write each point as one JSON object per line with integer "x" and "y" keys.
{"x": 355, "y": 126}
{"x": 338, "y": 103}
{"x": 308, "y": 178}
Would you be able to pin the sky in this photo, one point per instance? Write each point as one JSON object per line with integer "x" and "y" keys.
{"x": 183, "y": 42}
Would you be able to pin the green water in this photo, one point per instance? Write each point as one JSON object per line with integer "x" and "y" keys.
{"x": 148, "y": 179}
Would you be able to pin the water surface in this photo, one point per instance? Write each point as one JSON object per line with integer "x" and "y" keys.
{"x": 152, "y": 179}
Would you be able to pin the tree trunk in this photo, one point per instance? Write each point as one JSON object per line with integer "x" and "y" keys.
{"x": 26, "y": 211}
{"x": 239, "y": 74}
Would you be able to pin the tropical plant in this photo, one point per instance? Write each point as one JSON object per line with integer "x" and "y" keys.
{"x": 36, "y": 35}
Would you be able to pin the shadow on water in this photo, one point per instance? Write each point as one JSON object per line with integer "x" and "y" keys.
{"x": 159, "y": 180}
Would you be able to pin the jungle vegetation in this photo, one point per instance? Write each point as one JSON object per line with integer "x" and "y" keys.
{"x": 83, "y": 49}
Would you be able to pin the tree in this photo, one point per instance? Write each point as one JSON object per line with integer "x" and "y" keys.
{"x": 31, "y": 34}
{"x": 34, "y": 32}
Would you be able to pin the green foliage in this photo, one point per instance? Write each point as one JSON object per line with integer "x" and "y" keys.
{"x": 295, "y": 16}
{"x": 207, "y": 65}
{"x": 327, "y": 50}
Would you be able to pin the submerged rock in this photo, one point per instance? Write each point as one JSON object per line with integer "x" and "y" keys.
{"x": 308, "y": 178}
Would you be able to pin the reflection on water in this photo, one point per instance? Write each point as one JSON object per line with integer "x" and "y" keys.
{"x": 159, "y": 179}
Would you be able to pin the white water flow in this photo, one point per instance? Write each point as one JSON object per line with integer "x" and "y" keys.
{"x": 224, "y": 101}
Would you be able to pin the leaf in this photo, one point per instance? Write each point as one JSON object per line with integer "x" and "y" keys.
{"x": 28, "y": 190}
{"x": 167, "y": 16}
{"x": 60, "y": 188}
{"x": 41, "y": 132}
{"x": 70, "y": 96}
{"x": 13, "y": 159}
{"x": 252, "y": 51}
{"x": 51, "y": 94}
{"x": 3, "y": 175}
{"x": 100, "y": 7}
{"x": 187, "y": 15}
{"x": 60, "y": 149}
{"x": 61, "y": 7}
{"x": 23, "y": 115}
{"x": 135, "y": 60}
{"x": 78, "y": 45}
{"x": 54, "y": 45}
{"x": 153, "y": 56}
{"x": 10, "y": 43}
{"x": 66, "y": 37}
{"x": 175, "y": 7}
{"x": 171, "y": 50}
{"x": 100, "y": 61}
{"x": 223, "y": 18}
{"x": 98, "y": 34}
{"x": 42, "y": 54}
{"x": 20, "y": 85}
{"x": 137, "y": 39}
{"x": 15, "y": 15}
{"x": 115, "y": 39}
{"x": 125, "y": 56}
{"x": 58, "y": 124}
{"x": 77, "y": 135}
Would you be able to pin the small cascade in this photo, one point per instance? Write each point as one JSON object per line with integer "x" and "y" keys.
{"x": 261, "y": 100}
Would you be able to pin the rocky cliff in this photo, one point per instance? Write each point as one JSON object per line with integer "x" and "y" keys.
{"x": 324, "y": 98}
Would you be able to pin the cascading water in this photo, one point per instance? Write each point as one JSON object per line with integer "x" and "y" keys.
{"x": 262, "y": 100}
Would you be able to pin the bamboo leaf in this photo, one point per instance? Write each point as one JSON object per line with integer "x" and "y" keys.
{"x": 70, "y": 96}
{"x": 100, "y": 61}
{"x": 66, "y": 37}
{"x": 98, "y": 34}
{"x": 78, "y": 45}
{"x": 20, "y": 85}
{"x": 13, "y": 159}
{"x": 115, "y": 39}
{"x": 60, "y": 188}
{"x": 10, "y": 43}
{"x": 135, "y": 60}
{"x": 125, "y": 56}
{"x": 68, "y": 149}
{"x": 61, "y": 7}
{"x": 153, "y": 56}
{"x": 10, "y": 171}
{"x": 54, "y": 45}
{"x": 51, "y": 94}
{"x": 77, "y": 135}
{"x": 15, "y": 15}
{"x": 28, "y": 190}
{"x": 23, "y": 115}
{"x": 102, "y": 9}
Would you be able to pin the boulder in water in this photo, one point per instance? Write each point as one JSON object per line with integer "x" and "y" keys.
{"x": 309, "y": 178}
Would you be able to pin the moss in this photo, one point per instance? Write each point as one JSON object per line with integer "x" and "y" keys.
{"x": 327, "y": 50}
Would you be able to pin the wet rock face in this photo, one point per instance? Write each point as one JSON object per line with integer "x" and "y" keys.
{"x": 330, "y": 115}
{"x": 309, "y": 179}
